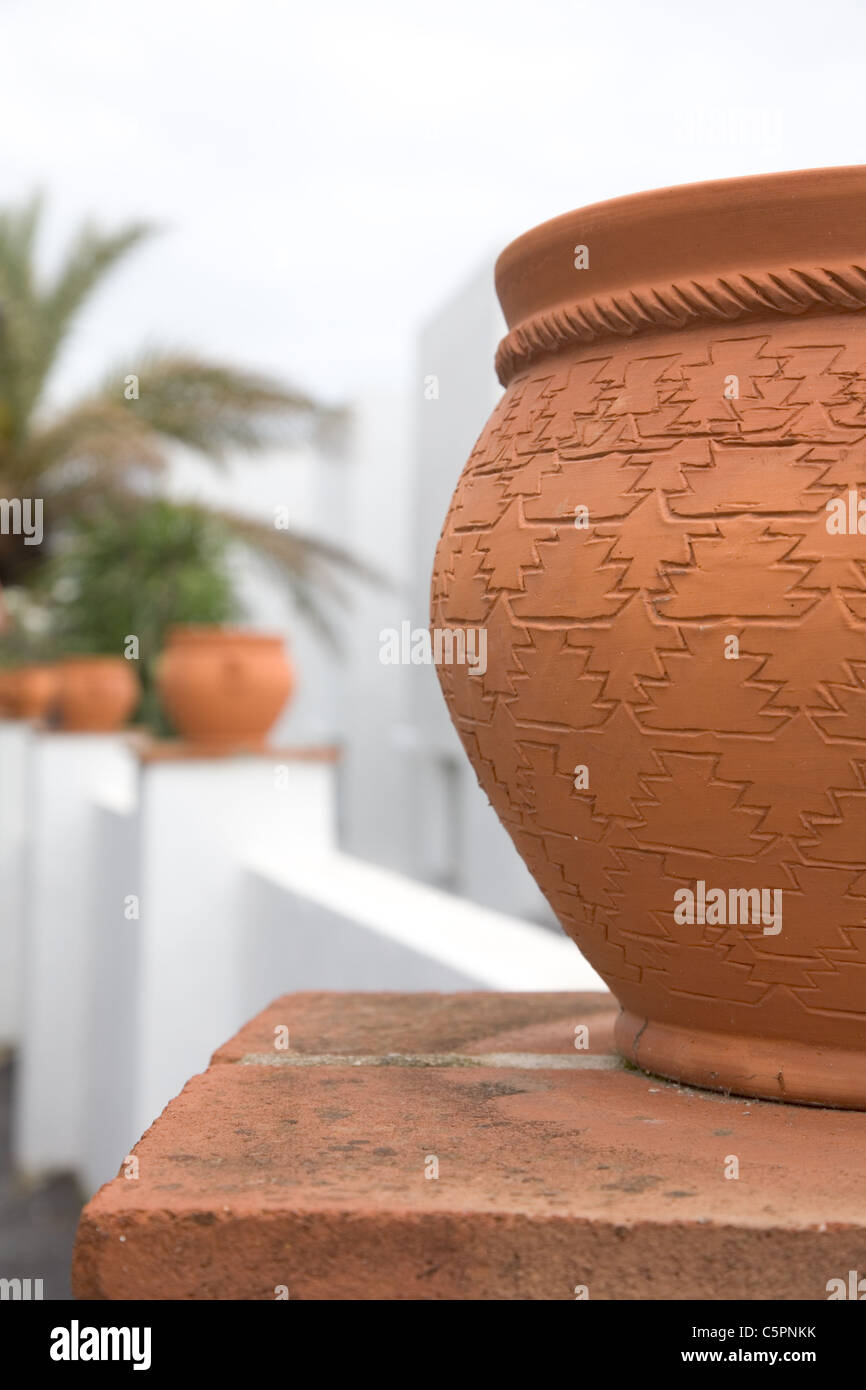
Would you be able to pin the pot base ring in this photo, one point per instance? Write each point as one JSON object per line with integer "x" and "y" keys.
{"x": 764, "y": 1068}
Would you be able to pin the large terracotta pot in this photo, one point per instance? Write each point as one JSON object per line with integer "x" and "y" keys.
{"x": 658, "y": 531}
{"x": 97, "y": 693}
{"x": 224, "y": 686}
{"x": 29, "y": 692}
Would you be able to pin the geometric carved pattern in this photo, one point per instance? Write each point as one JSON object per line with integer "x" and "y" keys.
{"x": 782, "y": 290}
{"x": 606, "y": 648}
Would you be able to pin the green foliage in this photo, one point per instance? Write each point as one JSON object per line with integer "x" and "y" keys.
{"x": 135, "y": 574}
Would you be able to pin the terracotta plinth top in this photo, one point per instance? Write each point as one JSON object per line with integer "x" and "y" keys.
{"x": 420, "y": 1146}
{"x": 43, "y": 727}
{"x": 153, "y": 750}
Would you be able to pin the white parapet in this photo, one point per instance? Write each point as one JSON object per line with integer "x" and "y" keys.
{"x": 200, "y": 820}
{"x": 65, "y": 772}
{"x": 112, "y": 1033}
{"x": 15, "y": 739}
{"x": 334, "y": 922}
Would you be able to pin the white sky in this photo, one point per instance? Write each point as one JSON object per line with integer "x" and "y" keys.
{"x": 327, "y": 173}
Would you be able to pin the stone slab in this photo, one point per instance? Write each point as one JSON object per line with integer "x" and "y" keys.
{"x": 416, "y": 1146}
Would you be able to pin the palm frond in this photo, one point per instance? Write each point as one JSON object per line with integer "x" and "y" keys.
{"x": 97, "y": 438}
{"x": 294, "y": 551}
{"x": 210, "y": 406}
{"x": 35, "y": 320}
{"x": 314, "y": 571}
{"x": 206, "y": 406}
{"x": 93, "y": 254}
{"x": 19, "y": 227}
{"x": 19, "y": 319}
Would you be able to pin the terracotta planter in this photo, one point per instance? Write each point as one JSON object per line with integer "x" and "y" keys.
{"x": 661, "y": 531}
{"x": 224, "y": 687}
{"x": 97, "y": 693}
{"x": 30, "y": 692}
{"x": 6, "y": 683}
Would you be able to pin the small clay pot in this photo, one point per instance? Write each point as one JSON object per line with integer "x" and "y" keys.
{"x": 224, "y": 686}
{"x": 6, "y": 682}
{"x": 97, "y": 694}
{"x": 30, "y": 692}
{"x": 661, "y": 533}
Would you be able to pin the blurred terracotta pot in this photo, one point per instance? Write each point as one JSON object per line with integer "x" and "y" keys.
{"x": 97, "y": 694}
{"x": 224, "y": 686}
{"x": 29, "y": 692}
{"x": 6, "y": 681}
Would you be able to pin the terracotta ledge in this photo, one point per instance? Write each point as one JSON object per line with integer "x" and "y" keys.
{"x": 153, "y": 750}
{"x": 304, "y": 1170}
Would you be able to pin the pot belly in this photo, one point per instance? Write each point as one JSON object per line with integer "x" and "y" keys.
{"x": 674, "y": 692}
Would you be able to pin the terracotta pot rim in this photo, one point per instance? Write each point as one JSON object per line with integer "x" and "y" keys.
{"x": 66, "y": 662}
{"x": 36, "y": 668}
{"x": 203, "y": 633}
{"x": 782, "y": 243}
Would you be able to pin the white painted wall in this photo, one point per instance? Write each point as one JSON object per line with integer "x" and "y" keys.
{"x": 457, "y": 346}
{"x": 112, "y": 1033}
{"x": 63, "y": 865}
{"x": 377, "y": 790}
{"x": 15, "y": 738}
{"x": 409, "y": 798}
{"x": 331, "y": 921}
{"x": 198, "y": 822}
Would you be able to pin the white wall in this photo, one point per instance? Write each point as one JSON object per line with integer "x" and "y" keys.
{"x": 409, "y": 798}
{"x": 376, "y": 785}
{"x": 112, "y": 1030}
{"x": 66, "y": 771}
{"x": 456, "y": 346}
{"x": 15, "y": 737}
{"x": 198, "y": 822}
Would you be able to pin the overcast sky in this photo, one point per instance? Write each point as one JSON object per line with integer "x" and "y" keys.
{"x": 326, "y": 173}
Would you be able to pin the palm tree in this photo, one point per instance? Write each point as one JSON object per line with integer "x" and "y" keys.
{"x": 107, "y": 448}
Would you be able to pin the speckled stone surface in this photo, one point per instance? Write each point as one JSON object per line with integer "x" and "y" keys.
{"x": 419, "y": 1146}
